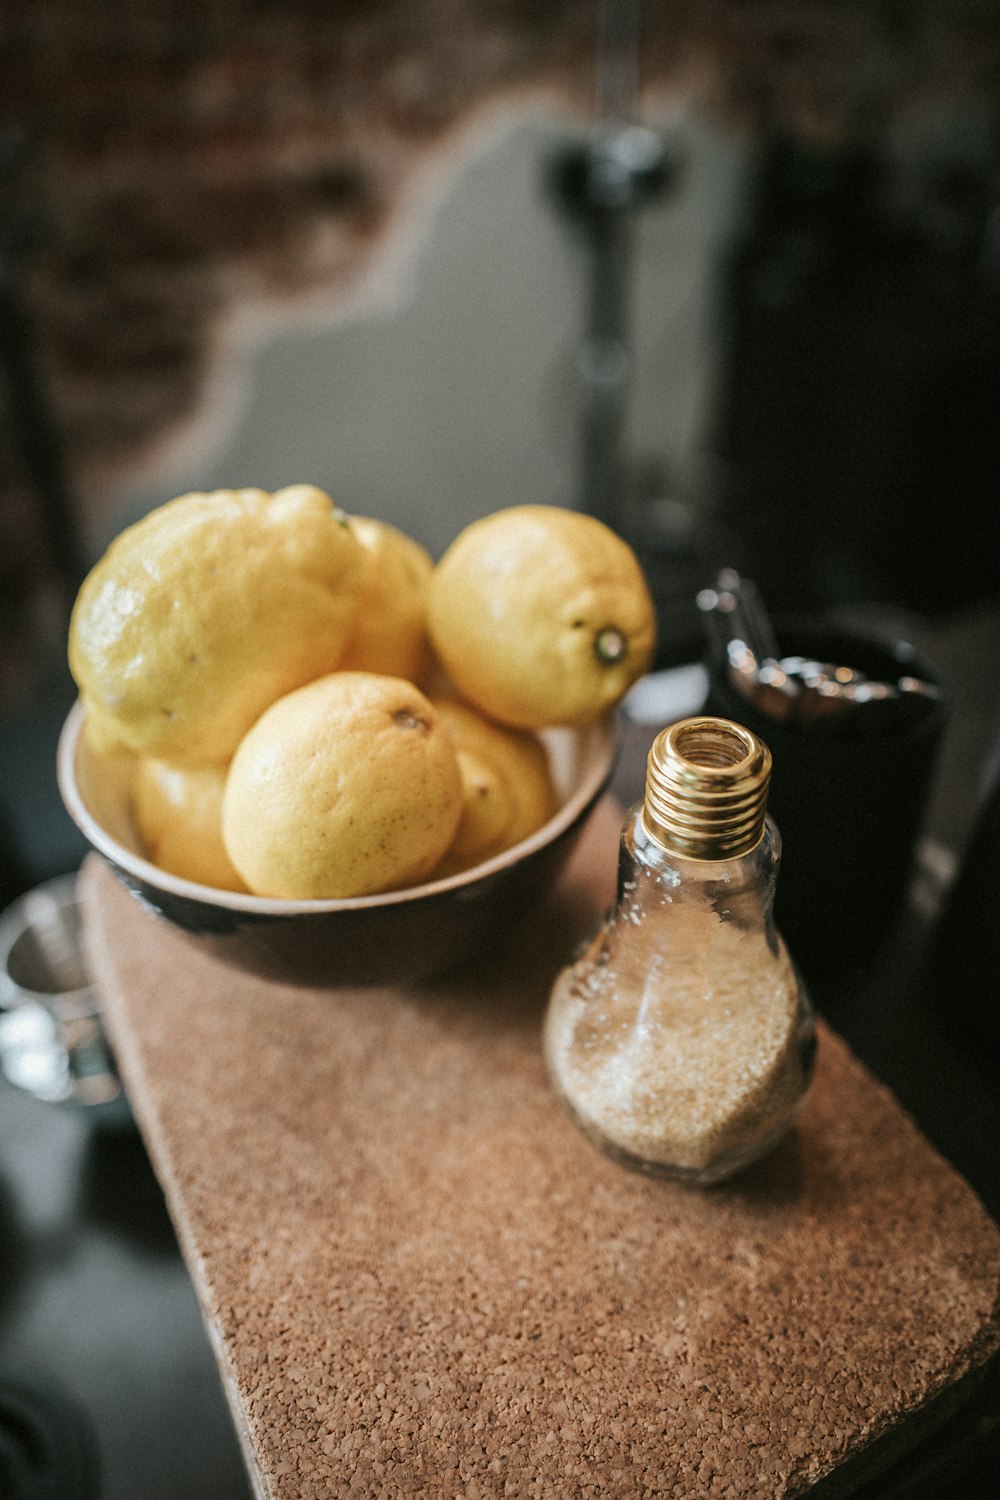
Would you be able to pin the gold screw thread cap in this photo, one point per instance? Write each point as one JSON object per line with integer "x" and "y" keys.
{"x": 707, "y": 781}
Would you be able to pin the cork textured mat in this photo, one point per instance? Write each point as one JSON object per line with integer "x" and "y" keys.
{"x": 420, "y": 1279}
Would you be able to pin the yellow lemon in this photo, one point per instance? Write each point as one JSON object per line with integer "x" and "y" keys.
{"x": 345, "y": 787}
{"x": 487, "y": 811}
{"x": 207, "y": 610}
{"x": 507, "y": 789}
{"x": 178, "y": 813}
{"x": 390, "y": 631}
{"x": 541, "y": 616}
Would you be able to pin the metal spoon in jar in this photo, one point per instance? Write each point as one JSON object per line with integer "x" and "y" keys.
{"x": 740, "y": 631}
{"x": 791, "y": 687}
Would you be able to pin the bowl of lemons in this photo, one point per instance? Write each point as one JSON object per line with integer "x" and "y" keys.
{"x": 326, "y": 757}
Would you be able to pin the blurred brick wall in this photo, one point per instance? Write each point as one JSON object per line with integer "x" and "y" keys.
{"x": 187, "y": 156}
{"x": 184, "y": 155}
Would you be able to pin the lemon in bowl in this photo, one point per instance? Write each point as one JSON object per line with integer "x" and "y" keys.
{"x": 347, "y": 787}
{"x": 401, "y": 936}
{"x": 206, "y": 610}
{"x": 541, "y": 615}
{"x": 252, "y": 752}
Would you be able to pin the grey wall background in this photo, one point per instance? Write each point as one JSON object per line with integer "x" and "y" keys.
{"x": 454, "y": 391}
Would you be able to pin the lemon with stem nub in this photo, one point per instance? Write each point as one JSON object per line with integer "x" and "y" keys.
{"x": 346, "y": 787}
{"x": 541, "y": 616}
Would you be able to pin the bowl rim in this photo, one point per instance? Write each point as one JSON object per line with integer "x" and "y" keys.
{"x": 590, "y": 788}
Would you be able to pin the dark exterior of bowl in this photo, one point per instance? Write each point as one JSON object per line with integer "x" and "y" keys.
{"x": 404, "y": 938}
{"x": 406, "y": 943}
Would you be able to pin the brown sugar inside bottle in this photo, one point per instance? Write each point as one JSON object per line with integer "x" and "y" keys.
{"x": 682, "y": 1039}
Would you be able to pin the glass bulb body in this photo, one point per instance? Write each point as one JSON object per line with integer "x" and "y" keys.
{"x": 682, "y": 1039}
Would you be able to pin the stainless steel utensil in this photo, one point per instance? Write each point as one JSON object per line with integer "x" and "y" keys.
{"x": 740, "y": 631}
{"x": 52, "y": 1042}
{"x": 795, "y": 687}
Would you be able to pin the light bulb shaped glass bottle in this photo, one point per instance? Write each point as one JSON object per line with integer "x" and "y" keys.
{"x": 682, "y": 1039}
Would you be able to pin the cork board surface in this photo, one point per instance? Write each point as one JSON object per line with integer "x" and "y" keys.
{"x": 420, "y": 1279}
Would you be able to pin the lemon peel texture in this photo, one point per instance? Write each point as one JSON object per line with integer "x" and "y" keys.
{"x": 541, "y": 616}
{"x": 346, "y": 787}
{"x": 208, "y": 609}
